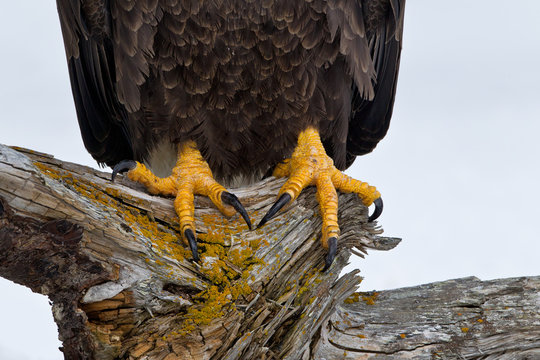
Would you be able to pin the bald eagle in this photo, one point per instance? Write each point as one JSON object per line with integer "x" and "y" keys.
{"x": 222, "y": 90}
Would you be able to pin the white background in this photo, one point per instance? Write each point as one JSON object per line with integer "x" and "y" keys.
{"x": 458, "y": 170}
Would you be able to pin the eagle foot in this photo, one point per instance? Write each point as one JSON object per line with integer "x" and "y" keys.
{"x": 310, "y": 165}
{"x": 191, "y": 175}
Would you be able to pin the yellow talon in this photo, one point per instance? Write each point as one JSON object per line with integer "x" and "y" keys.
{"x": 368, "y": 194}
{"x": 310, "y": 165}
{"x": 154, "y": 184}
{"x": 191, "y": 175}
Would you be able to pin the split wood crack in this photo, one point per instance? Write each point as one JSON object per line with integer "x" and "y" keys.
{"x": 122, "y": 286}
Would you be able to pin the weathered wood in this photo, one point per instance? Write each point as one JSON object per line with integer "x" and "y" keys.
{"x": 108, "y": 256}
{"x": 455, "y": 319}
{"x": 123, "y": 286}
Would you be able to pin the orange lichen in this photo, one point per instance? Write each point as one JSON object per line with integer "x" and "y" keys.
{"x": 306, "y": 282}
{"x": 480, "y": 320}
{"x": 368, "y": 298}
{"x": 228, "y": 260}
{"x": 353, "y": 298}
{"x": 162, "y": 241}
{"x": 403, "y": 336}
{"x": 465, "y": 329}
{"x": 211, "y": 306}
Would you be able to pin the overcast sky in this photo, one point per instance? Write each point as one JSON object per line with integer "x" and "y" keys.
{"x": 458, "y": 170}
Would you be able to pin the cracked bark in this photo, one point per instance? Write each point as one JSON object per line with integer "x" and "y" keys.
{"x": 123, "y": 287}
{"x": 455, "y": 319}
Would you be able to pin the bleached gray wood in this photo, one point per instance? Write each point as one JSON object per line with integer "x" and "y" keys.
{"x": 120, "y": 290}
{"x": 455, "y": 319}
{"x": 128, "y": 275}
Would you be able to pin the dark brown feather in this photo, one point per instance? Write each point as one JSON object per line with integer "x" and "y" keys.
{"x": 241, "y": 78}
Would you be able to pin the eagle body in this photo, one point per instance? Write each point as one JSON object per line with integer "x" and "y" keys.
{"x": 240, "y": 78}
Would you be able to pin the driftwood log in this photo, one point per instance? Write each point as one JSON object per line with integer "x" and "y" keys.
{"x": 123, "y": 286}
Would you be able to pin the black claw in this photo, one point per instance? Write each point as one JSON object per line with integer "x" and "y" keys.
{"x": 332, "y": 250}
{"x": 232, "y": 200}
{"x": 281, "y": 202}
{"x": 123, "y": 166}
{"x": 378, "y": 209}
{"x": 192, "y": 244}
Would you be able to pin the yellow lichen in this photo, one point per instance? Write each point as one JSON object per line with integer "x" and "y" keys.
{"x": 306, "y": 283}
{"x": 465, "y": 329}
{"x": 368, "y": 298}
{"x": 140, "y": 223}
{"x": 211, "y": 307}
{"x": 353, "y": 298}
{"x": 228, "y": 260}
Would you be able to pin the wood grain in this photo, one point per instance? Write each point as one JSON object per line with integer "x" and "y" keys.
{"x": 132, "y": 280}
{"x": 123, "y": 286}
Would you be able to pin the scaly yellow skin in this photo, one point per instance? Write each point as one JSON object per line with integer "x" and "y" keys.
{"x": 309, "y": 165}
{"x": 191, "y": 175}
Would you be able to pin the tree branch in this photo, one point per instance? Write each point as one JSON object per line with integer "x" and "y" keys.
{"x": 122, "y": 284}
{"x": 108, "y": 256}
{"x": 455, "y": 319}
